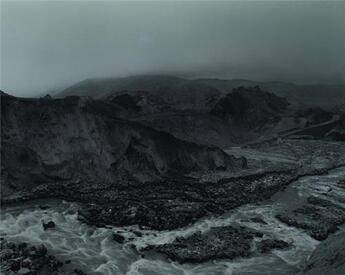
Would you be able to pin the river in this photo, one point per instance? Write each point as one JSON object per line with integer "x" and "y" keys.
{"x": 94, "y": 250}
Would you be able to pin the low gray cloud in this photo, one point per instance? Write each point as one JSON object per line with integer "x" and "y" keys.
{"x": 47, "y": 45}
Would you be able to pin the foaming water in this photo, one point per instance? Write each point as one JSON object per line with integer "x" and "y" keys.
{"x": 94, "y": 250}
{"x": 88, "y": 248}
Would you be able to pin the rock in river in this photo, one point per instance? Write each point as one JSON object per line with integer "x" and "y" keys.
{"x": 24, "y": 259}
{"x": 226, "y": 242}
{"x": 48, "y": 225}
{"x": 318, "y": 217}
{"x": 267, "y": 245}
{"x": 218, "y": 243}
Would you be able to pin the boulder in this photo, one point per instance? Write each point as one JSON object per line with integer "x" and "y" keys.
{"x": 267, "y": 245}
{"x": 118, "y": 238}
{"x": 48, "y": 225}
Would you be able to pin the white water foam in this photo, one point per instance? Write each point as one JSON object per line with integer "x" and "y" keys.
{"x": 94, "y": 250}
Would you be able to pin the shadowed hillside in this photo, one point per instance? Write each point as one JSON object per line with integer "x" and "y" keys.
{"x": 76, "y": 140}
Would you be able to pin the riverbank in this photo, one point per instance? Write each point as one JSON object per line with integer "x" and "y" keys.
{"x": 95, "y": 251}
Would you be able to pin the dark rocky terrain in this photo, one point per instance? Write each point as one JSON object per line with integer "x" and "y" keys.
{"x": 25, "y": 259}
{"x": 68, "y": 141}
{"x": 218, "y": 243}
{"x": 218, "y": 112}
{"x": 313, "y": 95}
{"x": 163, "y": 153}
{"x": 250, "y": 107}
{"x": 177, "y": 203}
{"x": 318, "y": 217}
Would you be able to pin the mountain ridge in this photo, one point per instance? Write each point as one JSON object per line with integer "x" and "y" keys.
{"x": 324, "y": 95}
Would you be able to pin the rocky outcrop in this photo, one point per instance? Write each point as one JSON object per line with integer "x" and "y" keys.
{"x": 25, "y": 259}
{"x": 218, "y": 243}
{"x": 252, "y": 108}
{"x": 226, "y": 242}
{"x": 319, "y": 217}
{"x": 267, "y": 245}
{"x": 328, "y": 257}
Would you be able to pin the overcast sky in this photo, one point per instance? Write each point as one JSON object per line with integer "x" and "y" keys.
{"x": 47, "y": 45}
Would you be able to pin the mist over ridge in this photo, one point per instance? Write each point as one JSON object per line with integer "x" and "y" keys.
{"x": 51, "y": 45}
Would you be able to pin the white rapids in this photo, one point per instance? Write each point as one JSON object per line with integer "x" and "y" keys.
{"x": 94, "y": 250}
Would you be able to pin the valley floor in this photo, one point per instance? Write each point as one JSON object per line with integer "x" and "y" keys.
{"x": 267, "y": 220}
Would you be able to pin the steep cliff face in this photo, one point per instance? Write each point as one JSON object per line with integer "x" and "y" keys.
{"x": 79, "y": 140}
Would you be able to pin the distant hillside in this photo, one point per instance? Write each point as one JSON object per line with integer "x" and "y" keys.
{"x": 102, "y": 87}
{"x": 197, "y": 93}
{"x": 240, "y": 116}
{"x": 322, "y": 95}
{"x": 181, "y": 93}
{"x": 252, "y": 108}
{"x": 214, "y": 111}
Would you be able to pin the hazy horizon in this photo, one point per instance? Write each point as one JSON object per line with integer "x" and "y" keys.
{"x": 50, "y": 45}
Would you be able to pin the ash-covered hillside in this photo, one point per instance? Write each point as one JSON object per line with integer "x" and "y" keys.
{"x": 79, "y": 140}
